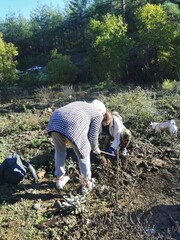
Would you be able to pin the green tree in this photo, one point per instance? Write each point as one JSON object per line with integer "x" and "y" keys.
{"x": 75, "y": 22}
{"x": 45, "y": 22}
{"x": 100, "y": 8}
{"x": 7, "y": 63}
{"x": 171, "y": 66}
{"x": 16, "y": 30}
{"x": 111, "y": 47}
{"x": 152, "y": 27}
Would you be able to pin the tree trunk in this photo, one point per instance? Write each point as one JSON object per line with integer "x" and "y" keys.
{"x": 123, "y": 10}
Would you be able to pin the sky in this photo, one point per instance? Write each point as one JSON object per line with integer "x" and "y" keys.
{"x": 25, "y": 6}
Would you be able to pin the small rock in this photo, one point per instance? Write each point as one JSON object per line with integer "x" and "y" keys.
{"x": 11, "y": 116}
{"x": 37, "y": 206}
{"x": 158, "y": 162}
{"x": 41, "y": 173}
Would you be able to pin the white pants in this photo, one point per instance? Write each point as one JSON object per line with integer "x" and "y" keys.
{"x": 60, "y": 156}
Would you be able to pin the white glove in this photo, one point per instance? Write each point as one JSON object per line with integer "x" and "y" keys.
{"x": 97, "y": 151}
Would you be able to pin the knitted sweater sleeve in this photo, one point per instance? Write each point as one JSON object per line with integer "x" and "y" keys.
{"x": 94, "y": 130}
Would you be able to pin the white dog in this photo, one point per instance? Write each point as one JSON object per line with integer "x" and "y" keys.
{"x": 169, "y": 125}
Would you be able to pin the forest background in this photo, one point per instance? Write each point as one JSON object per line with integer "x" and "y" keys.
{"x": 92, "y": 42}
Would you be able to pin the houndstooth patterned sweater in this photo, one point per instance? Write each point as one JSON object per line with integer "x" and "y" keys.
{"x": 80, "y": 122}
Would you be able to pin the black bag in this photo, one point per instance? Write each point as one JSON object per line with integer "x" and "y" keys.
{"x": 14, "y": 169}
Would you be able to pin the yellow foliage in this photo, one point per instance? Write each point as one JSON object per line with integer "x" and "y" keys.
{"x": 169, "y": 85}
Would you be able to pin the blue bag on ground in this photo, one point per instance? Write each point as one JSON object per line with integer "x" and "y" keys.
{"x": 13, "y": 169}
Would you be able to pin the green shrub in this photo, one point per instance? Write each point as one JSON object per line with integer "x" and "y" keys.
{"x": 61, "y": 69}
{"x": 30, "y": 79}
{"x": 136, "y": 107}
{"x": 168, "y": 85}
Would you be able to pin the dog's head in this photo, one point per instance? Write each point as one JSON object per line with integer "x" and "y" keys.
{"x": 153, "y": 125}
{"x": 172, "y": 122}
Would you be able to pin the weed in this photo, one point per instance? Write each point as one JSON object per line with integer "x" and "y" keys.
{"x": 44, "y": 95}
{"x": 68, "y": 91}
{"x": 168, "y": 85}
{"x": 34, "y": 143}
{"x": 134, "y": 106}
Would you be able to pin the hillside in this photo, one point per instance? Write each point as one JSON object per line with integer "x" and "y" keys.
{"x": 137, "y": 197}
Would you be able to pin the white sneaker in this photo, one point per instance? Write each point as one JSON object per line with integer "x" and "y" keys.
{"x": 61, "y": 181}
{"x": 88, "y": 186}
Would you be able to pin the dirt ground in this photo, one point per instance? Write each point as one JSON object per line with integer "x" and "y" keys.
{"x": 135, "y": 197}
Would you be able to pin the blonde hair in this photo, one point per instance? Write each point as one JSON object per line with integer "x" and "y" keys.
{"x": 115, "y": 113}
